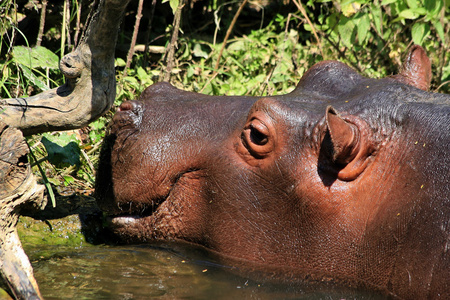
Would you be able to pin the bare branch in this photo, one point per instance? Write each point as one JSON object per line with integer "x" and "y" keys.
{"x": 303, "y": 11}
{"x": 77, "y": 28}
{"x": 230, "y": 29}
{"x": 17, "y": 188}
{"x": 149, "y": 30}
{"x": 133, "y": 39}
{"x": 41, "y": 23}
{"x": 89, "y": 90}
{"x": 173, "y": 42}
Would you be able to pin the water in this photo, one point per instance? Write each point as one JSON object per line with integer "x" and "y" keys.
{"x": 155, "y": 272}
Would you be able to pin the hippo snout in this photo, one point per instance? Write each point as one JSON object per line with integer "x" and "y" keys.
{"x": 129, "y": 115}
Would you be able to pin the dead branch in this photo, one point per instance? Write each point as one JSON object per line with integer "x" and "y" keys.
{"x": 66, "y": 15}
{"x": 89, "y": 90}
{"x": 17, "y": 188}
{"x": 77, "y": 28}
{"x": 303, "y": 11}
{"x": 173, "y": 42}
{"x": 133, "y": 39}
{"x": 149, "y": 30}
{"x": 230, "y": 29}
{"x": 41, "y": 23}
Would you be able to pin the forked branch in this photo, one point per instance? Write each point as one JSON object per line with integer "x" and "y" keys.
{"x": 89, "y": 90}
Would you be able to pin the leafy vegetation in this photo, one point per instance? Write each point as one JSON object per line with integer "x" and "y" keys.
{"x": 274, "y": 43}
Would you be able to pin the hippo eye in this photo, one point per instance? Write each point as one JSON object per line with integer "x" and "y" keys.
{"x": 257, "y": 138}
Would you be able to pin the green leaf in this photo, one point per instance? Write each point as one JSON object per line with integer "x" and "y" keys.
{"x": 412, "y": 3}
{"x": 142, "y": 75}
{"x": 377, "y": 17}
{"x": 420, "y": 10}
{"x": 239, "y": 45}
{"x": 62, "y": 150}
{"x": 307, "y": 27}
{"x": 33, "y": 78}
{"x": 386, "y": 2}
{"x": 363, "y": 28}
{"x": 347, "y": 32}
{"x": 38, "y": 57}
{"x": 419, "y": 31}
{"x": 174, "y": 5}
{"x": 440, "y": 30}
{"x": 68, "y": 180}
{"x": 433, "y": 7}
{"x": 120, "y": 62}
{"x": 349, "y": 8}
{"x": 408, "y": 14}
{"x": 199, "y": 52}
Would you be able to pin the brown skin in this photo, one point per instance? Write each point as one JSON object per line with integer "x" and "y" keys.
{"x": 343, "y": 180}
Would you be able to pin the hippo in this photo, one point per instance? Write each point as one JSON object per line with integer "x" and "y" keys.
{"x": 344, "y": 180}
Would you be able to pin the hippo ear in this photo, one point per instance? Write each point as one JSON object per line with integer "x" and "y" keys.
{"x": 416, "y": 69}
{"x": 347, "y": 145}
{"x": 344, "y": 137}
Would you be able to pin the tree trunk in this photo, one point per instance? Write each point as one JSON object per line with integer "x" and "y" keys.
{"x": 90, "y": 86}
{"x": 18, "y": 188}
{"x": 88, "y": 93}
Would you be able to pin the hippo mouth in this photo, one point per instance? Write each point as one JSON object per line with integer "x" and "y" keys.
{"x": 154, "y": 217}
{"x": 133, "y": 210}
{"x": 127, "y": 216}
{"x": 129, "y": 213}
{"x": 140, "y": 223}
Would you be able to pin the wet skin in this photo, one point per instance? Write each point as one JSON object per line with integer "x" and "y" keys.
{"x": 345, "y": 179}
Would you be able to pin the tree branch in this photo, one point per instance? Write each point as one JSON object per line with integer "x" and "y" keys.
{"x": 133, "y": 39}
{"x": 89, "y": 90}
{"x": 41, "y": 23}
{"x": 173, "y": 42}
{"x": 17, "y": 188}
{"x": 230, "y": 29}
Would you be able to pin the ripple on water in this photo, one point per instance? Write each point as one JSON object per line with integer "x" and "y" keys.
{"x": 146, "y": 272}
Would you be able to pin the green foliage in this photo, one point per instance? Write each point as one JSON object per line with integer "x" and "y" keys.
{"x": 357, "y": 28}
{"x": 38, "y": 57}
{"x": 28, "y": 71}
{"x": 62, "y": 150}
{"x": 247, "y": 64}
{"x": 173, "y": 4}
{"x": 69, "y": 158}
{"x": 32, "y": 61}
{"x": 130, "y": 86}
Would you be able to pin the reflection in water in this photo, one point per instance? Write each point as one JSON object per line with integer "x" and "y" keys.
{"x": 158, "y": 271}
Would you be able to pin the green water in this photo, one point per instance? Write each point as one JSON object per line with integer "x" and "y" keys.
{"x": 154, "y": 272}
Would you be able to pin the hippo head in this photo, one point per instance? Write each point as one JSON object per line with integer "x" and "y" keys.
{"x": 227, "y": 172}
{"x": 308, "y": 181}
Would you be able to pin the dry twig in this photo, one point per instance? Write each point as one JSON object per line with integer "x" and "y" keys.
{"x": 78, "y": 26}
{"x": 303, "y": 11}
{"x": 133, "y": 39}
{"x": 230, "y": 29}
{"x": 149, "y": 30}
{"x": 41, "y": 23}
{"x": 173, "y": 42}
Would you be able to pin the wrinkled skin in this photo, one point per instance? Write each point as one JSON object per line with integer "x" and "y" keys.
{"x": 346, "y": 179}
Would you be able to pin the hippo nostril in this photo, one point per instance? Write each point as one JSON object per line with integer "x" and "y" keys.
{"x": 129, "y": 115}
{"x": 126, "y": 106}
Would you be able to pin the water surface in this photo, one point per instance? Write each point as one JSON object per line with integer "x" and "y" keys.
{"x": 155, "y": 272}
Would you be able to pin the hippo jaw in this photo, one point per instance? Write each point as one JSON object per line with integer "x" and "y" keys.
{"x": 169, "y": 217}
